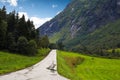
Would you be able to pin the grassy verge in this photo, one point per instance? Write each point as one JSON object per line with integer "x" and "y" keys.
{"x": 12, "y": 62}
{"x": 80, "y": 67}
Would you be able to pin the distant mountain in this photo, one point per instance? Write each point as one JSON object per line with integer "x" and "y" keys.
{"x": 90, "y": 23}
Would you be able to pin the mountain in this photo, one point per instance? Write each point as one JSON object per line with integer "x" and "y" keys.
{"x": 86, "y": 23}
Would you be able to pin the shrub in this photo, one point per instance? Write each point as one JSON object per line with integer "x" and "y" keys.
{"x": 22, "y": 45}
{"x": 31, "y": 48}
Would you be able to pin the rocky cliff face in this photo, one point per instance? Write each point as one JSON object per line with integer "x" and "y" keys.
{"x": 81, "y": 17}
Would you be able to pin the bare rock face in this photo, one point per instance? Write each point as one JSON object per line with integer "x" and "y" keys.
{"x": 74, "y": 29}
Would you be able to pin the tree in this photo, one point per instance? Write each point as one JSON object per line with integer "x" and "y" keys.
{"x": 118, "y": 45}
{"x": 3, "y": 13}
{"x": 11, "y": 21}
{"x": 22, "y": 27}
{"x": 31, "y": 31}
{"x": 52, "y": 46}
{"x": 3, "y": 30}
{"x": 15, "y": 33}
{"x": 22, "y": 45}
{"x": 60, "y": 45}
{"x": 31, "y": 48}
{"x": 44, "y": 41}
{"x": 11, "y": 44}
{"x": 113, "y": 51}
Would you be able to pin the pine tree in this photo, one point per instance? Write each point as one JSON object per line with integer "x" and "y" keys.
{"x": 11, "y": 44}
{"x": 11, "y": 22}
{"x": 3, "y": 30}
{"x": 3, "y": 13}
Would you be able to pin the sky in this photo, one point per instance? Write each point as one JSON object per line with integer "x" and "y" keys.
{"x": 39, "y": 11}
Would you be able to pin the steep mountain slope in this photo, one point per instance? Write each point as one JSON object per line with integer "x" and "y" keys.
{"x": 91, "y": 23}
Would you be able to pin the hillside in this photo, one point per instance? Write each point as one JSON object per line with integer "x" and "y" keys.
{"x": 90, "y": 23}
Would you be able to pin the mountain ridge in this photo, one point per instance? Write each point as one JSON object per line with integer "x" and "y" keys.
{"x": 81, "y": 18}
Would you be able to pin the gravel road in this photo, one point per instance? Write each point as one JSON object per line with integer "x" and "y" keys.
{"x": 37, "y": 72}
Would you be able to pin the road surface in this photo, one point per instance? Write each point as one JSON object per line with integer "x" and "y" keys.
{"x": 37, "y": 72}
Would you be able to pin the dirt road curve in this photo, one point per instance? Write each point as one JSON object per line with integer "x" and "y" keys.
{"x": 37, "y": 72}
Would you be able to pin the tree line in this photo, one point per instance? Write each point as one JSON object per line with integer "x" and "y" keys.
{"x": 18, "y": 35}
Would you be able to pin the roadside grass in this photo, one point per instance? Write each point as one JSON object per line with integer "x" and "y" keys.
{"x": 10, "y": 62}
{"x": 80, "y": 67}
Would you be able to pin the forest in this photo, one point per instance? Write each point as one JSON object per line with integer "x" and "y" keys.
{"x": 18, "y": 35}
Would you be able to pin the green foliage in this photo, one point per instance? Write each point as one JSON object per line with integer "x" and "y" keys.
{"x": 60, "y": 45}
{"x": 19, "y": 35}
{"x": 11, "y": 44}
{"x": 89, "y": 68}
{"x": 12, "y": 22}
{"x": 44, "y": 41}
{"x": 22, "y": 27}
{"x": 114, "y": 52}
{"x": 52, "y": 46}
{"x": 31, "y": 48}
{"x": 3, "y": 31}
{"x": 43, "y": 51}
{"x": 22, "y": 45}
{"x": 103, "y": 38}
{"x": 11, "y": 62}
{"x": 3, "y": 13}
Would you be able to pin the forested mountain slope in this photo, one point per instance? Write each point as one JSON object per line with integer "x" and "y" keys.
{"x": 86, "y": 24}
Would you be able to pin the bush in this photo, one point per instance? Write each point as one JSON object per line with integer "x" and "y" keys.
{"x": 22, "y": 45}
{"x": 31, "y": 48}
{"x": 52, "y": 46}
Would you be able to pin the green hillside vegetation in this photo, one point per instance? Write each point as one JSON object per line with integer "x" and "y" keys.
{"x": 87, "y": 26}
{"x": 97, "y": 42}
{"x": 104, "y": 38}
{"x": 116, "y": 50}
{"x": 12, "y": 62}
{"x": 80, "y": 67}
{"x": 59, "y": 36}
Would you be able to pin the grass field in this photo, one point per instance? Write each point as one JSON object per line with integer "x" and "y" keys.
{"x": 80, "y": 67}
{"x": 12, "y": 62}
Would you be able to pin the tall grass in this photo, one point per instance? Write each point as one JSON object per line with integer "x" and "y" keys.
{"x": 11, "y": 62}
{"x": 90, "y": 68}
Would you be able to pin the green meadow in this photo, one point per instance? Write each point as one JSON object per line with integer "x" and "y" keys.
{"x": 10, "y": 62}
{"x": 81, "y": 67}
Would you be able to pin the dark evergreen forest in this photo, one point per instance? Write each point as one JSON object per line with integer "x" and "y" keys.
{"x": 18, "y": 35}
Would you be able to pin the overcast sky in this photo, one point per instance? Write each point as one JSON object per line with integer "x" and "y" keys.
{"x": 39, "y": 11}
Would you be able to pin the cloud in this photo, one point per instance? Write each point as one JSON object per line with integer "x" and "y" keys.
{"x": 54, "y": 6}
{"x": 23, "y": 13}
{"x": 37, "y": 21}
{"x": 11, "y": 2}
